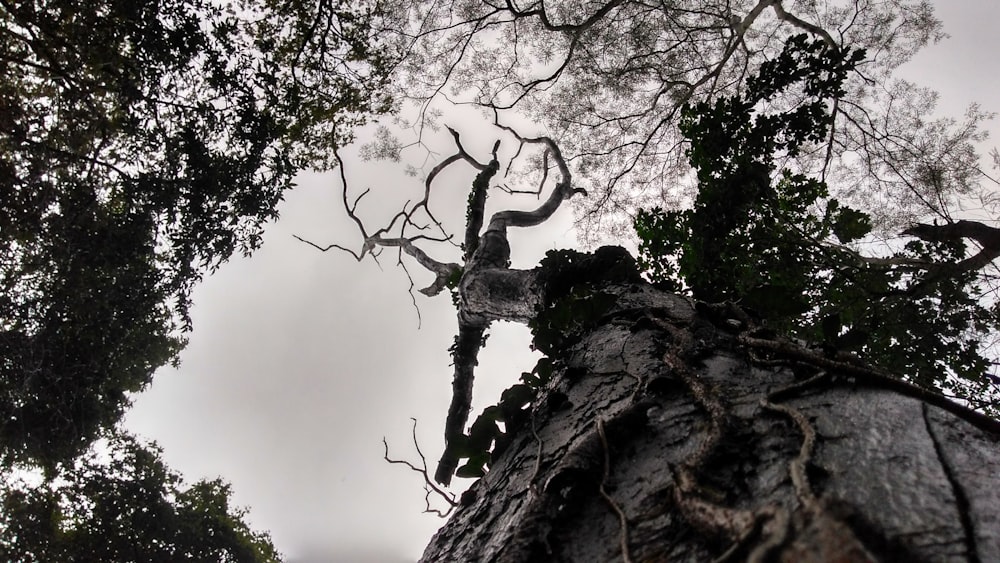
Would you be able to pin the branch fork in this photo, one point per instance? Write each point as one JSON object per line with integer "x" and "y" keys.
{"x": 487, "y": 288}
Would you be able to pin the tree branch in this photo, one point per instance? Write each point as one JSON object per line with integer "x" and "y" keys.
{"x": 429, "y": 485}
{"x": 782, "y": 15}
{"x": 563, "y": 190}
{"x": 988, "y": 237}
{"x": 443, "y": 270}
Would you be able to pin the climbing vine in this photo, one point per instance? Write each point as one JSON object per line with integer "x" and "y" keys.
{"x": 774, "y": 241}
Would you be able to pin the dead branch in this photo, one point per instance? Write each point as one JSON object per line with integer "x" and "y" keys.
{"x": 429, "y": 486}
{"x": 782, "y": 15}
{"x": 443, "y": 271}
{"x": 564, "y": 190}
{"x": 487, "y": 289}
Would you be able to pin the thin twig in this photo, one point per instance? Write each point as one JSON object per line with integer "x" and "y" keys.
{"x": 429, "y": 485}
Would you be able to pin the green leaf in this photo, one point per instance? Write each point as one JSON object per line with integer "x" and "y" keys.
{"x": 850, "y": 225}
{"x": 776, "y": 301}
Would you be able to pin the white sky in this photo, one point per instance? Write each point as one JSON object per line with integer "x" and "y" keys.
{"x": 300, "y": 361}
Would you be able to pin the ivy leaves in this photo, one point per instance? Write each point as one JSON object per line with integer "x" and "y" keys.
{"x": 486, "y": 439}
{"x": 775, "y": 241}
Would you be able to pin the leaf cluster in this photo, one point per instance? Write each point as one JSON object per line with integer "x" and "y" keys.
{"x": 486, "y": 440}
{"x": 573, "y": 300}
{"x": 733, "y": 146}
{"x": 142, "y": 144}
{"x": 778, "y": 244}
{"x": 125, "y": 505}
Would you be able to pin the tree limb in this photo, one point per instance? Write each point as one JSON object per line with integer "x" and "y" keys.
{"x": 443, "y": 271}
{"x": 780, "y": 12}
{"x": 988, "y": 237}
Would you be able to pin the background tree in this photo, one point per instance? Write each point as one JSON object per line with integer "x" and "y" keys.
{"x": 608, "y": 80}
{"x": 125, "y": 505}
{"x": 143, "y": 143}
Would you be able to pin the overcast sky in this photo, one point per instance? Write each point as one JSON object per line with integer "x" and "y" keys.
{"x": 300, "y": 361}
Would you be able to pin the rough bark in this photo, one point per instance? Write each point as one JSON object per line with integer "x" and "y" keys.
{"x": 671, "y": 431}
{"x": 666, "y": 435}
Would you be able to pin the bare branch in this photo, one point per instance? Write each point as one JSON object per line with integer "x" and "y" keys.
{"x": 443, "y": 270}
{"x": 988, "y": 237}
{"x": 429, "y": 486}
{"x": 780, "y": 12}
{"x": 351, "y": 209}
{"x": 564, "y": 27}
{"x": 356, "y": 256}
{"x": 409, "y": 290}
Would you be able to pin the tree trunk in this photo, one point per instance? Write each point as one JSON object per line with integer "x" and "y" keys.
{"x": 665, "y": 434}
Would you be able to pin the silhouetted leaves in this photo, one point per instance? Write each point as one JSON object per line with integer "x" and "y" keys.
{"x": 142, "y": 143}
{"x": 124, "y": 505}
{"x": 756, "y": 237}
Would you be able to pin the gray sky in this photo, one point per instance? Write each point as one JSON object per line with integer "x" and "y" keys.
{"x": 300, "y": 361}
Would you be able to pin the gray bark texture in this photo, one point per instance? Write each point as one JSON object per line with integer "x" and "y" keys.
{"x": 665, "y": 434}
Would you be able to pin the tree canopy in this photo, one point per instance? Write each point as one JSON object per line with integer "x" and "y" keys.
{"x": 820, "y": 190}
{"x": 776, "y": 242}
{"x": 124, "y": 504}
{"x": 142, "y": 144}
{"x": 608, "y": 81}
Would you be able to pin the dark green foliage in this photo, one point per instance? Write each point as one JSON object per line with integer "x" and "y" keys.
{"x": 561, "y": 325}
{"x": 125, "y": 506}
{"x": 93, "y": 328}
{"x": 573, "y": 304}
{"x": 733, "y": 148}
{"x": 573, "y": 300}
{"x": 774, "y": 242}
{"x": 486, "y": 440}
{"x": 142, "y": 143}
{"x": 561, "y": 270}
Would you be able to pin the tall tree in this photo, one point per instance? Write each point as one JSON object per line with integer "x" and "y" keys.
{"x": 142, "y": 144}
{"x": 660, "y": 427}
